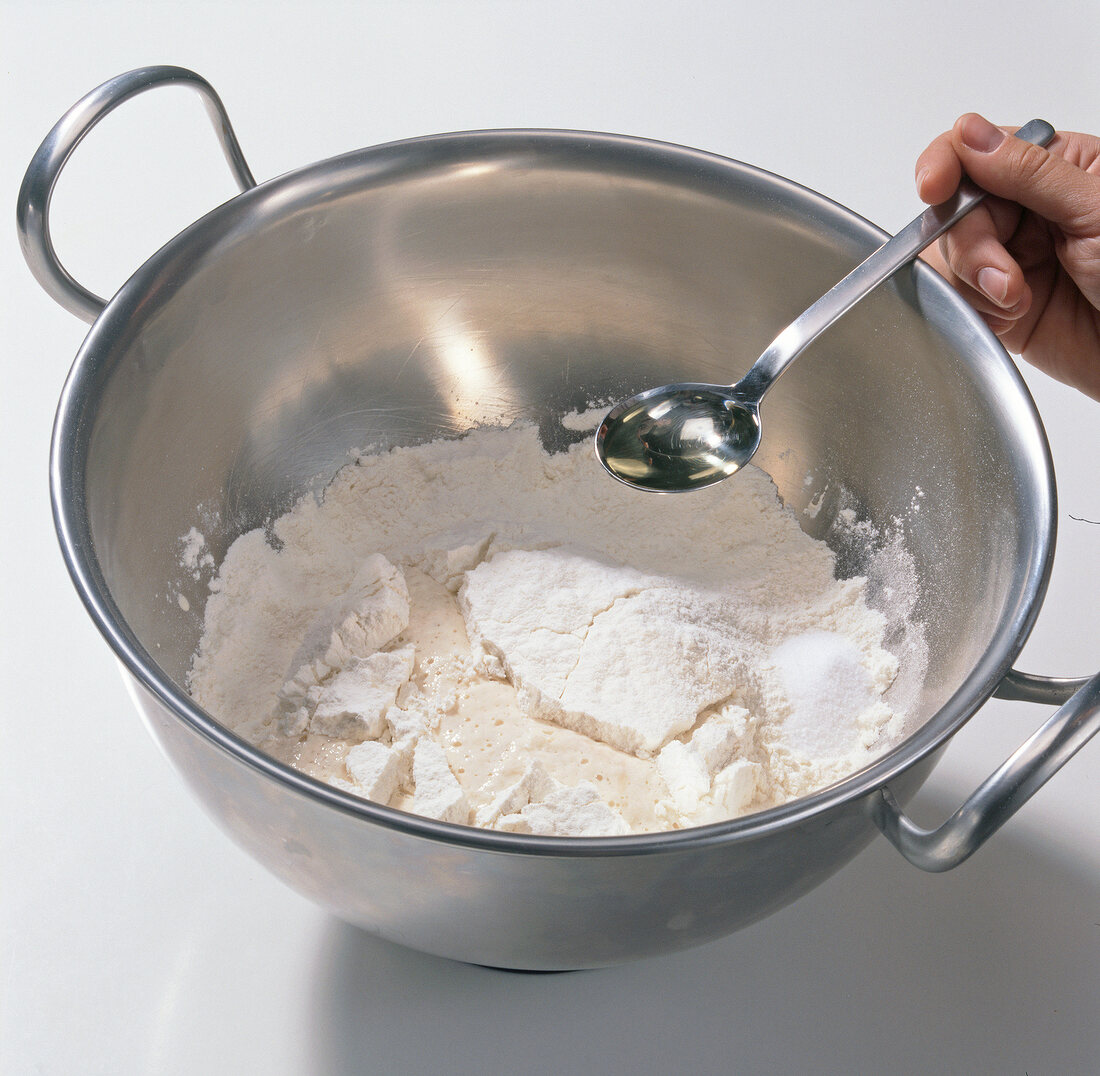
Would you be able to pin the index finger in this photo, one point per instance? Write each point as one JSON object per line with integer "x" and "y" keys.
{"x": 938, "y": 171}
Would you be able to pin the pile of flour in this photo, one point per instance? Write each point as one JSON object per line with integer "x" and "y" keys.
{"x": 482, "y": 632}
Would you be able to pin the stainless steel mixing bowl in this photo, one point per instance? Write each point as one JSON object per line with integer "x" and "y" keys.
{"x": 406, "y": 292}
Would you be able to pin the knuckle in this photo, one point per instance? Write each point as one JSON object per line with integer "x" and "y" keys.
{"x": 1032, "y": 162}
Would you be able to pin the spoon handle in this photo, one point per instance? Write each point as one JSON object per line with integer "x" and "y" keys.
{"x": 881, "y": 265}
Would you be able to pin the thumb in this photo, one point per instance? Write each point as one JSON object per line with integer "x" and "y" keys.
{"x": 1036, "y": 178}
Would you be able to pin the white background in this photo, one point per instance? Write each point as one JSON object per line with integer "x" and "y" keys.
{"x": 137, "y": 939}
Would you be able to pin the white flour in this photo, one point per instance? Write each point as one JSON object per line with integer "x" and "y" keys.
{"x": 482, "y": 632}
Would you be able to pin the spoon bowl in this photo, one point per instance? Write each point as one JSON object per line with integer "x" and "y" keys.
{"x": 690, "y": 435}
{"x": 679, "y": 437}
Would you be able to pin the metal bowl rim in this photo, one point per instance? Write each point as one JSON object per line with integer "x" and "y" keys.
{"x": 302, "y": 186}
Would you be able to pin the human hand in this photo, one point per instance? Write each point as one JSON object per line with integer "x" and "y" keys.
{"x": 1028, "y": 258}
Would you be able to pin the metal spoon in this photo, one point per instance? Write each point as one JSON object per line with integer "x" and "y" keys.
{"x": 686, "y": 436}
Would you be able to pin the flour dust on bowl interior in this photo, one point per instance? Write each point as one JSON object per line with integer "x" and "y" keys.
{"x": 407, "y": 293}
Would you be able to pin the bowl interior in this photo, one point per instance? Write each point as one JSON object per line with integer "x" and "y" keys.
{"x": 409, "y": 292}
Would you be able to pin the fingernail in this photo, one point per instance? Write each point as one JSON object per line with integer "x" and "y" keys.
{"x": 994, "y": 282}
{"x": 922, "y": 175}
{"x": 979, "y": 134}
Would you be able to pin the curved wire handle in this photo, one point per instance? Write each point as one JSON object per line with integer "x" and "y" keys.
{"x": 32, "y": 211}
{"x": 1002, "y": 794}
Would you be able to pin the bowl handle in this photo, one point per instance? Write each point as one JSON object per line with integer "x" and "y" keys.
{"x": 32, "y": 211}
{"x": 1003, "y": 793}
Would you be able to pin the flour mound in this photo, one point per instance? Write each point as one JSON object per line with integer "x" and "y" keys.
{"x": 578, "y": 638}
{"x": 484, "y": 633}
